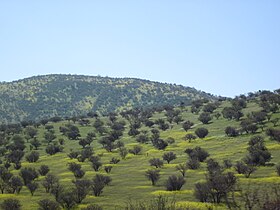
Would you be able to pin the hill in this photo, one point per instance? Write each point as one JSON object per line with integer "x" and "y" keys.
{"x": 108, "y": 160}
{"x": 69, "y": 95}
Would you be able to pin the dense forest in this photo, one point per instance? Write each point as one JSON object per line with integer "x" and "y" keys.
{"x": 211, "y": 154}
{"x": 47, "y": 96}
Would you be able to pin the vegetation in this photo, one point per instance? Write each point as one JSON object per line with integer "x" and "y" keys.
{"x": 97, "y": 162}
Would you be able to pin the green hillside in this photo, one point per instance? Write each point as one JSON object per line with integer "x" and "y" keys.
{"x": 69, "y": 95}
{"x": 235, "y": 165}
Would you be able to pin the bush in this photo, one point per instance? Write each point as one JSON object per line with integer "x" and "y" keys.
{"x": 169, "y": 156}
{"x": 153, "y": 175}
{"x": 175, "y": 183}
{"x": 32, "y": 157}
{"x": 197, "y": 153}
{"x": 193, "y": 163}
{"x": 11, "y": 204}
{"x": 274, "y": 134}
{"x": 190, "y": 137}
{"x": 204, "y": 117}
{"x": 231, "y": 131}
{"x": 135, "y": 150}
{"x": 43, "y": 170}
{"x": 258, "y": 153}
{"x": 47, "y": 204}
{"x": 156, "y": 162}
{"x": 201, "y": 132}
{"x": 159, "y": 144}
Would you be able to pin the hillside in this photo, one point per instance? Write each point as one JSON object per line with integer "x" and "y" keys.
{"x": 69, "y": 95}
{"x": 105, "y": 161}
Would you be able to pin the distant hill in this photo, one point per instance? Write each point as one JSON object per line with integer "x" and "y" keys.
{"x": 46, "y": 96}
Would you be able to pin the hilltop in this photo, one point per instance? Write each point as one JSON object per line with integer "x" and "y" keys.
{"x": 46, "y": 96}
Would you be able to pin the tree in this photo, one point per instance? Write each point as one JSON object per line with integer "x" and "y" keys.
{"x": 15, "y": 157}
{"x": 187, "y": 125}
{"x": 159, "y": 144}
{"x": 169, "y": 156}
{"x": 49, "y": 136}
{"x": 81, "y": 190}
{"x": 17, "y": 143}
{"x": 218, "y": 185}
{"x": 95, "y": 162}
{"x": 47, "y": 204}
{"x": 53, "y": 149}
{"x": 175, "y": 183}
{"x": 32, "y": 157}
{"x": 67, "y": 199}
{"x": 50, "y": 182}
{"x": 201, "y": 132}
{"x": 248, "y": 126}
{"x": 190, "y": 137}
{"x": 16, "y": 184}
{"x": 193, "y": 163}
{"x": 11, "y": 204}
{"x": 30, "y": 132}
{"x": 108, "y": 169}
{"x": 28, "y": 175}
{"x": 245, "y": 169}
{"x": 123, "y": 152}
{"x": 32, "y": 187}
{"x": 99, "y": 182}
{"x": 204, "y": 117}
{"x": 142, "y": 138}
{"x": 43, "y": 170}
{"x": 258, "y": 153}
{"x": 72, "y": 132}
{"x": 231, "y": 131}
{"x": 35, "y": 143}
{"x": 182, "y": 169}
{"x": 274, "y": 134}
{"x": 153, "y": 176}
{"x": 135, "y": 150}
{"x": 198, "y": 153}
{"x": 158, "y": 163}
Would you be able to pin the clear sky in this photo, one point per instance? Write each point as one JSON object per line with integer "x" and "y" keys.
{"x": 222, "y": 47}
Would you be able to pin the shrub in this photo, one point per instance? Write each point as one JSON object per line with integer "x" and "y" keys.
{"x": 204, "y": 117}
{"x": 32, "y": 157}
{"x": 193, "y": 163}
{"x": 231, "y": 131}
{"x": 135, "y": 150}
{"x": 153, "y": 175}
{"x": 201, "y": 132}
{"x": 169, "y": 156}
{"x": 47, "y": 204}
{"x": 175, "y": 183}
{"x": 43, "y": 170}
{"x": 108, "y": 168}
{"x": 11, "y": 204}
{"x": 190, "y": 137}
{"x": 198, "y": 153}
{"x": 32, "y": 187}
{"x": 182, "y": 169}
{"x": 158, "y": 163}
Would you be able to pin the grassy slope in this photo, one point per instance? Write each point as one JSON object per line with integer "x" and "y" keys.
{"x": 128, "y": 177}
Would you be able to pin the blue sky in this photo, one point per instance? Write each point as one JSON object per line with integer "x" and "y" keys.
{"x": 222, "y": 47}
